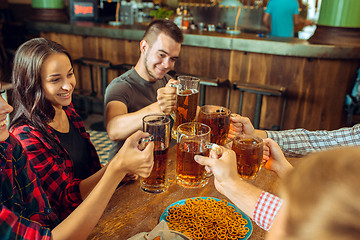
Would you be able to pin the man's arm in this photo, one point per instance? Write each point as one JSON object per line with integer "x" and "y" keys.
{"x": 299, "y": 142}
{"x": 261, "y": 206}
{"x": 120, "y": 123}
{"x": 296, "y": 19}
{"x": 266, "y": 20}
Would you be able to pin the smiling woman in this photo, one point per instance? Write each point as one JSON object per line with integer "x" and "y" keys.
{"x": 56, "y": 166}
{"x": 58, "y": 81}
{"x": 46, "y": 123}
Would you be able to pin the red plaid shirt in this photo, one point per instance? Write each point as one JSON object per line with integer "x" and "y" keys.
{"x": 55, "y": 168}
{"x": 25, "y": 212}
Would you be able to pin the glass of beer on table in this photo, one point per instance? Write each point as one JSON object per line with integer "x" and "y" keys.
{"x": 218, "y": 119}
{"x": 187, "y": 101}
{"x": 158, "y": 126}
{"x": 249, "y": 155}
{"x": 193, "y": 138}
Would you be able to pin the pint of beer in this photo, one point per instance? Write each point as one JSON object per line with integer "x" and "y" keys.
{"x": 187, "y": 101}
{"x": 193, "y": 139}
{"x": 218, "y": 119}
{"x": 249, "y": 154}
{"x": 158, "y": 126}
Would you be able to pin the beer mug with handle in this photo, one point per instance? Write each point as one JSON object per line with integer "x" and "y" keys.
{"x": 193, "y": 138}
{"x": 158, "y": 126}
{"x": 187, "y": 94}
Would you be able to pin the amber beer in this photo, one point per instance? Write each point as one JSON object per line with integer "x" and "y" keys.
{"x": 249, "y": 155}
{"x": 158, "y": 126}
{"x": 159, "y": 173}
{"x": 192, "y": 139}
{"x": 189, "y": 172}
{"x": 218, "y": 119}
{"x": 186, "y": 105}
{"x": 187, "y": 101}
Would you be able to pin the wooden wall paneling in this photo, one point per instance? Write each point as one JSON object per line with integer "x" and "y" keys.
{"x": 206, "y": 62}
{"x": 219, "y": 61}
{"x": 74, "y": 44}
{"x": 297, "y": 89}
{"x": 218, "y": 65}
{"x": 132, "y": 51}
{"x": 91, "y": 49}
{"x": 255, "y": 68}
{"x": 332, "y": 94}
{"x": 313, "y": 85}
{"x": 191, "y": 63}
{"x": 284, "y": 71}
{"x": 118, "y": 51}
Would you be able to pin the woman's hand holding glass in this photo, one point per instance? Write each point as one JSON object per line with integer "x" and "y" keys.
{"x": 130, "y": 159}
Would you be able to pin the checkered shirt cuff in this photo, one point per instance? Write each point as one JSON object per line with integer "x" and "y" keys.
{"x": 266, "y": 209}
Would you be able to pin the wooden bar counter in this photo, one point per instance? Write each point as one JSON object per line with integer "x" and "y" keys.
{"x": 316, "y": 77}
{"x": 132, "y": 210}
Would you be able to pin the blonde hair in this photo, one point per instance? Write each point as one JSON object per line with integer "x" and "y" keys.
{"x": 323, "y": 195}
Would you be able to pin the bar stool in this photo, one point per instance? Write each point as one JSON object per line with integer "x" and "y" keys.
{"x": 88, "y": 97}
{"x": 260, "y": 91}
{"x": 204, "y": 82}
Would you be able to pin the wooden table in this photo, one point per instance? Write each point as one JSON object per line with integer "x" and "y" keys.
{"x": 131, "y": 210}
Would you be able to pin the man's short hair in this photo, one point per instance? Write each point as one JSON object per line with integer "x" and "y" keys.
{"x": 163, "y": 26}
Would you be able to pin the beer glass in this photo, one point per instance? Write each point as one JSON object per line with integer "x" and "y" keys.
{"x": 158, "y": 126}
{"x": 187, "y": 101}
{"x": 193, "y": 138}
{"x": 218, "y": 119}
{"x": 249, "y": 155}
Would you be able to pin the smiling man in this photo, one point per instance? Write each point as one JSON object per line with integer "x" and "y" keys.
{"x": 145, "y": 89}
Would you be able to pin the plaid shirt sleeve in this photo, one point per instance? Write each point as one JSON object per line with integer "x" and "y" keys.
{"x": 266, "y": 209}
{"x": 300, "y": 142}
{"x": 14, "y": 227}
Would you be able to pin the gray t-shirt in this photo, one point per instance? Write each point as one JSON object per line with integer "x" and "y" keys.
{"x": 135, "y": 92}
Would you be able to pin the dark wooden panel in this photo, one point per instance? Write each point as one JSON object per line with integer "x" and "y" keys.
{"x": 315, "y": 87}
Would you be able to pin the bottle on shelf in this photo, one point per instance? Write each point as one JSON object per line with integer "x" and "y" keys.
{"x": 185, "y": 19}
{"x": 178, "y": 17}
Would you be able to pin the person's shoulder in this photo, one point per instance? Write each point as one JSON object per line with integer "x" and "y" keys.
{"x": 25, "y": 132}
{"x": 22, "y": 128}
{"x": 269, "y": 6}
{"x": 121, "y": 81}
{"x": 295, "y": 3}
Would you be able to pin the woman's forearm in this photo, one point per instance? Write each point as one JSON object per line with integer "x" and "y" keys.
{"x": 83, "y": 219}
{"x": 88, "y": 184}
